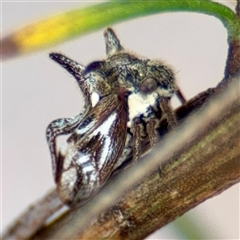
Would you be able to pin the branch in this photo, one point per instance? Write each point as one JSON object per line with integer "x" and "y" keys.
{"x": 232, "y": 64}
{"x": 34, "y": 217}
{"x": 198, "y": 160}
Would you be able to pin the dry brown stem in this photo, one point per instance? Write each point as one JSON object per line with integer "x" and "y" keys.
{"x": 198, "y": 160}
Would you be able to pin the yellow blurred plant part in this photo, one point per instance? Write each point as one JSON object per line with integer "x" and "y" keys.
{"x": 61, "y": 27}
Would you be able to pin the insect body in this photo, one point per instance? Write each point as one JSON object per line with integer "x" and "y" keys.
{"x": 125, "y": 97}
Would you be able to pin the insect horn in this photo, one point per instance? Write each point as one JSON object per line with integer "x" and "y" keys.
{"x": 70, "y": 65}
{"x": 112, "y": 42}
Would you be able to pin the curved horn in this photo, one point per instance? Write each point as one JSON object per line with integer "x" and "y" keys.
{"x": 70, "y": 65}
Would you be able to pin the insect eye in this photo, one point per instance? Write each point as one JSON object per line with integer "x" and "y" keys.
{"x": 148, "y": 85}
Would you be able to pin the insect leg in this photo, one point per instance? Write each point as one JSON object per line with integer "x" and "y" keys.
{"x": 59, "y": 127}
{"x": 136, "y": 131}
{"x": 167, "y": 110}
{"x": 151, "y": 131}
{"x": 180, "y": 96}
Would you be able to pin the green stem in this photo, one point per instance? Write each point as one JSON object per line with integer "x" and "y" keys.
{"x": 81, "y": 21}
{"x": 112, "y": 12}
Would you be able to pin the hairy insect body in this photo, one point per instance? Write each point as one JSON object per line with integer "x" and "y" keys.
{"x": 123, "y": 97}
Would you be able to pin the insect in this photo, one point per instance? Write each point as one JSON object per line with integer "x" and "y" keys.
{"x": 125, "y": 97}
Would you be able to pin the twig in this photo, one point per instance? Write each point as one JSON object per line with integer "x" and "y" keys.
{"x": 198, "y": 160}
{"x": 232, "y": 68}
{"x": 49, "y": 204}
{"x": 34, "y": 217}
{"x": 179, "y": 179}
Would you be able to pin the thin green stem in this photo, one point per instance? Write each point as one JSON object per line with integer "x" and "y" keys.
{"x": 111, "y": 12}
{"x": 81, "y": 21}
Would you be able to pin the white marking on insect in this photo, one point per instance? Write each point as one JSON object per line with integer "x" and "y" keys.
{"x": 88, "y": 167}
{"x": 67, "y": 150}
{"x": 81, "y": 158}
{"x": 104, "y": 129}
{"x": 67, "y": 160}
{"x": 94, "y": 98}
{"x": 138, "y": 104}
{"x": 64, "y": 149}
{"x": 68, "y": 180}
